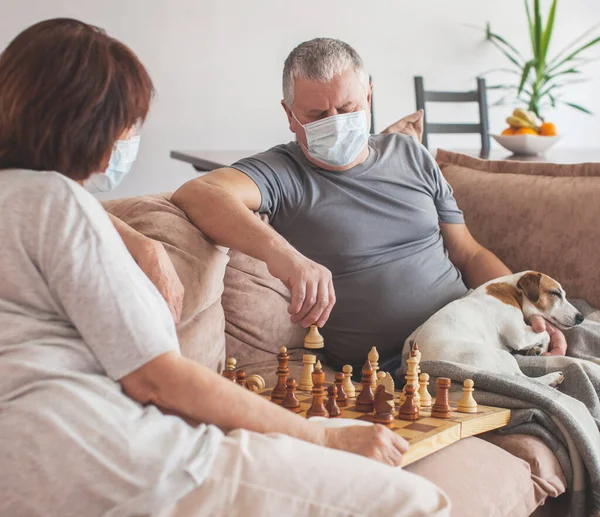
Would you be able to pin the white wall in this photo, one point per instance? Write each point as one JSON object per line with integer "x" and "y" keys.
{"x": 217, "y": 64}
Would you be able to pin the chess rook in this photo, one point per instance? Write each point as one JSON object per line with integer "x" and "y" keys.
{"x": 441, "y": 408}
{"x": 364, "y": 401}
{"x": 317, "y": 408}
{"x": 332, "y": 406}
{"x": 348, "y": 385}
{"x": 305, "y": 383}
{"x": 282, "y": 372}
{"x": 342, "y": 397}
{"x": 290, "y": 401}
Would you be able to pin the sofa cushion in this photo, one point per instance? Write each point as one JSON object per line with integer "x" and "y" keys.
{"x": 256, "y": 312}
{"x": 480, "y": 479}
{"x": 199, "y": 264}
{"x": 533, "y": 216}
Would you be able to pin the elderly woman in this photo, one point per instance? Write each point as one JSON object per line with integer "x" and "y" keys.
{"x": 89, "y": 358}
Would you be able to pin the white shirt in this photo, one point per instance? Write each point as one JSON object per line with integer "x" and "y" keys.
{"x": 76, "y": 315}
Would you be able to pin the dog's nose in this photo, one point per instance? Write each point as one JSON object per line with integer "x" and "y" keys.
{"x": 579, "y": 318}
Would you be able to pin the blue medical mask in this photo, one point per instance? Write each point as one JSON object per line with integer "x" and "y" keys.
{"x": 337, "y": 140}
{"x": 121, "y": 161}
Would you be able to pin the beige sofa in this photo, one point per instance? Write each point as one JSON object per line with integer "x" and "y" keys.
{"x": 233, "y": 307}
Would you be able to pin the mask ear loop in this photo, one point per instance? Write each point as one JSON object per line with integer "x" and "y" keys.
{"x": 302, "y": 126}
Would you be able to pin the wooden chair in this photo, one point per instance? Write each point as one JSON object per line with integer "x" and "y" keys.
{"x": 479, "y": 96}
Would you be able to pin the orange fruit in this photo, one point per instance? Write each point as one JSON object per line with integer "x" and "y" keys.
{"x": 526, "y": 131}
{"x": 509, "y": 131}
{"x": 548, "y": 129}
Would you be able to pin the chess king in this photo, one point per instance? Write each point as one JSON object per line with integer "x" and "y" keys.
{"x": 364, "y": 229}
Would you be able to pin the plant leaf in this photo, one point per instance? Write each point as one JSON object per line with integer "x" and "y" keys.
{"x": 570, "y": 57}
{"x": 530, "y": 24}
{"x": 578, "y": 107}
{"x": 538, "y": 30}
{"x": 506, "y": 53}
{"x": 525, "y": 75}
{"x": 493, "y": 36}
{"x": 552, "y": 100}
{"x": 573, "y": 43}
{"x": 507, "y": 70}
{"x": 547, "y": 35}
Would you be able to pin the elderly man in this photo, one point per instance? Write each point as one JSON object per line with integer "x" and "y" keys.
{"x": 365, "y": 230}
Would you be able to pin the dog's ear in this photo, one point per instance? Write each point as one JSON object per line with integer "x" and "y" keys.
{"x": 529, "y": 285}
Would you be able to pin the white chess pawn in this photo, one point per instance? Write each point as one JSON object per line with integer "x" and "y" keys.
{"x": 314, "y": 339}
{"x": 374, "y": 361}
{"x": 467, "y": 403}
{"x": 348, "y": 386}
{"x": 426, "y": 399}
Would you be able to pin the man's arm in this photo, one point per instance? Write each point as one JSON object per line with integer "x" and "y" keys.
{"x": 479, "y": 265}
{"x": 183, "y": 387}
{"x": 154, "y": 261}
{"x": 220, "y": 204}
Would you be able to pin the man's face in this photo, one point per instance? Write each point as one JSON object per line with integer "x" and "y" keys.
{"x": 315, "y": 101}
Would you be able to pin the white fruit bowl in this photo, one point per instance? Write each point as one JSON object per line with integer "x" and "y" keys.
{"x": 528, "y": 145}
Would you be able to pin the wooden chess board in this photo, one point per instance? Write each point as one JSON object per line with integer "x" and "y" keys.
{"x": 427, "y": 434}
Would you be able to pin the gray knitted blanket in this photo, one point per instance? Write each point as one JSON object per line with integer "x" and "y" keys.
{"x": 567, "y": 418}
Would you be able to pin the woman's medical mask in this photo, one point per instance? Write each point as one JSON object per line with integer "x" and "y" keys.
{"x": 337, "y": 140}
{"x": 121, "y": 161}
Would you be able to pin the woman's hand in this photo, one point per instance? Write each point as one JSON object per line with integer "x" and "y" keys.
{"x": 558, "y": 343}
{"x": 154, "y": 261}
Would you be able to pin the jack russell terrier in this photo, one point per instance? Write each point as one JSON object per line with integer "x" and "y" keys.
{"x": 487, "y": 326}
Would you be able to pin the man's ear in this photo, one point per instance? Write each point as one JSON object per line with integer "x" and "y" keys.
{"x": 288, "y": 112}
{"x": 529, "y": 285}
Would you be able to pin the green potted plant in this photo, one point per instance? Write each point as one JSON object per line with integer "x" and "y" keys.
{"x": 540, "y": 79}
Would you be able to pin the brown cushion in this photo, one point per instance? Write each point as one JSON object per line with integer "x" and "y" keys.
{"x": 533, "y": 216}
{"x": 199, "y": 264}
{"x": 256, "y": 312}
{"x": 480, "y": 479}
{"x": 546, "y": 473}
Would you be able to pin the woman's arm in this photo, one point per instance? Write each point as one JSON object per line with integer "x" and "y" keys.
{"x": 183, "y": 387}
{"x": 154, "y": 261}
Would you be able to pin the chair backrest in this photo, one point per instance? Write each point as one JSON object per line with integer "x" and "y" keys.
{"x": 479, "y": 96}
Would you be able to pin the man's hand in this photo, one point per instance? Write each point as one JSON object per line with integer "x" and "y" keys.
{"x": 376, "y": 442}
{"x": 154, "y": 260}
{"x": 411, "y": 125}
{"x": 313, "y": 295}
{"x": 558, "y": 343}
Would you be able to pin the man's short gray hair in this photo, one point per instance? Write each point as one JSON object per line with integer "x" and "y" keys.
{"x": 319, "y": 59}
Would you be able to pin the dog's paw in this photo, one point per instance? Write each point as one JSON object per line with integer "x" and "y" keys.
{"x": 535, "y": 351}
{"x": 560, "y": 377}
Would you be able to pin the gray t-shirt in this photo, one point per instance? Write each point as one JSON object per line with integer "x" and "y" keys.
{"x": 76, "y": 315}
{"x": 376, "y": 228}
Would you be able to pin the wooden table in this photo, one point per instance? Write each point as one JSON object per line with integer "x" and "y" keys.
{"x": 204, "y": 161}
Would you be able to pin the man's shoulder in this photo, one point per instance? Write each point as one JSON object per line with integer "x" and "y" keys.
{"x": 396, "y": 142}
{"x": 282, "y": 155}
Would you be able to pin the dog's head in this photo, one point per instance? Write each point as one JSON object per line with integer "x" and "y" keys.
{"x": 544, "y": 296}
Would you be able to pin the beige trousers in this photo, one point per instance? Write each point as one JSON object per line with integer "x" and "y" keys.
{"x": 258, "y": 475}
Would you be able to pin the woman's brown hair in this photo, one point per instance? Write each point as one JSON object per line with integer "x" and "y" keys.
{"x": 68, "y": 91}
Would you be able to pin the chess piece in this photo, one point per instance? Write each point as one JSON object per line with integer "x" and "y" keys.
{"x": 426, "y": 400}
{"x": 317, "y": 407}
{"x": 305, "y": 383}
{"x": 283, "y": 371}
{"x": 388, "y": 382}
{"x": 467, "y": 403}
{"x": 383, "y": 404}
{"x": 412, "y": 377}
{"x": 380, "y": 378}
{"x": 364, "y": 401}
{"x": 241, "y": 378}
{"x": 374, "y": 360}
{"x": 441, "y": 408}
{"x": 342, "y": 396}
{"x": 348, "y": 385}
{"x": 409, "y": 410}
{"x": 255, "y": 382}
{"x": 415, "y": 348}
{"x": 332, "y": 406}
{"x": 314, "y": 340}
{"x": 229, "y": 371}
{"x": 290, "y": 401}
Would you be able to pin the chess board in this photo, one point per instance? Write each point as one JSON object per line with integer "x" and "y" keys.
{"x": 427, "y": 434}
